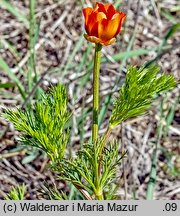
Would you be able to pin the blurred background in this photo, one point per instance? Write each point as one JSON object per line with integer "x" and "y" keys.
{"x": 42, "y": 44}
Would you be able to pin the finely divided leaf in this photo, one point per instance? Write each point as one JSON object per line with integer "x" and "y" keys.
{"x": 136, "y": 95}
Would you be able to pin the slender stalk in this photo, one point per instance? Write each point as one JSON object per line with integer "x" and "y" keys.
{"x": 153, "y": 174}
{"x": 106, "y": 136}
{"x": 97, "y": 59}
{"x": 104, "y": 141}
{"x": 32, "y": 34}
{"x": 123, "y": 164}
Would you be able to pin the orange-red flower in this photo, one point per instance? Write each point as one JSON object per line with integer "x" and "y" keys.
{"x": 102, "y": 23}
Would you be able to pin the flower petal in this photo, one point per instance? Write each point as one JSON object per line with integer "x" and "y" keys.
{"x": 100, "y": 16}
{"x": 107, "y": 29}
{"x": 97, "y": 40}
{"x": 102, "y": 23}
{"x": 92, "y": 39}
{"x": 110, "y": 11}
{"x": 109, "y": 42}
{"x": 106, "y": 6}
{"x": 86, "y": 13}
{"x": 94, "y": 30}
{"x": 122, "y": 18}
{"x": 101, "y": 7}
{"x": 93, "y": 19}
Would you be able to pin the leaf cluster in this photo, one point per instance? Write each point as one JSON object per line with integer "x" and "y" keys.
{"x": 53, "y": 193}
{"x": 81, "y": 171}
{"x": 44, "y": 126}
{"x": 137, "y": 94}
{"x": 16, "y": 193}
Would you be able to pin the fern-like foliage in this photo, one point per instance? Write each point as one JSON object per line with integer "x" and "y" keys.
{"x": 53, "y": 193}
{"x": 16, "y": 193}
{"x": 111, "y": 160}
{"x": 80, "y": 171}
{"x": 43, "y": 126}
{"x": 137, "y": 94}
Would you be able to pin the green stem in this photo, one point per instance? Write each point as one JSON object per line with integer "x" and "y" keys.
{"x": 97, "y": 60}
{"x": 153, "y": 173}
{"x": 105, "y": 140}
{"x": 99, "y": 195}
{"x": 106, "y": 136}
